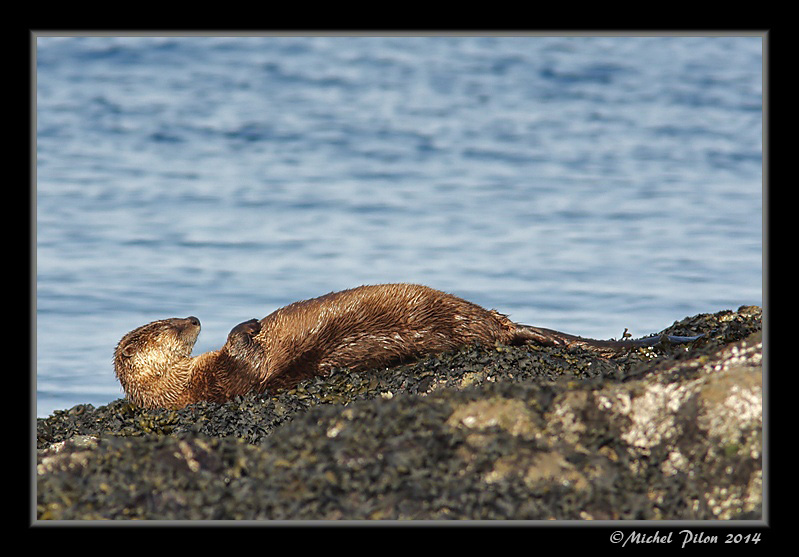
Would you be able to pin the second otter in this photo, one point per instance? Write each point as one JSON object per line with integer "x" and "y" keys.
{"x": 361, "y": 328}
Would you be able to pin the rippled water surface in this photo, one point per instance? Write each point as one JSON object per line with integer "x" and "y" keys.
{"x": 577, "y": 183}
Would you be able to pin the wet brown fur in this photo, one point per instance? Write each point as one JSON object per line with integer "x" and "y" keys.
{"x": 361, "y": 328}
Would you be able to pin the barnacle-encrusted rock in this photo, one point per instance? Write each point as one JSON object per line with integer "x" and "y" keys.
{"x": 488, "y": 432}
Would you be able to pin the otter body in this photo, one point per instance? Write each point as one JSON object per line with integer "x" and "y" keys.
{"x": 361, "y": 328}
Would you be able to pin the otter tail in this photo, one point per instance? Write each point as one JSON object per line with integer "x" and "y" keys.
{"x": 548, "y": 337}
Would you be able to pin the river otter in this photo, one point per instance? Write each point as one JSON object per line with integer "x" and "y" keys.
{"x": 361, "y": 328}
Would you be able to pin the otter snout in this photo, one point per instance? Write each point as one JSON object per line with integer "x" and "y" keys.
{"x": 187, "y": 323}
{"x": 188, "y": 328}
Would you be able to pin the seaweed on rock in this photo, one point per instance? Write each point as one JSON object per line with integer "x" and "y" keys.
{"x": 487, "y": 432}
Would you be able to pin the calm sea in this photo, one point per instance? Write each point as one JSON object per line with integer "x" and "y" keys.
{"x": 585, "y": 184}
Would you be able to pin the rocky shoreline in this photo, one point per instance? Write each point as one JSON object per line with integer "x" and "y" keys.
{"x": 489, "y": 432}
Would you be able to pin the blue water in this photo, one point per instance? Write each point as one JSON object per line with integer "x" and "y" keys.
{"x": 577, "y": 183}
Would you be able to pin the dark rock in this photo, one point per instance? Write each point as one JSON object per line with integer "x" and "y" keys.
{"x": 489, "y": 432}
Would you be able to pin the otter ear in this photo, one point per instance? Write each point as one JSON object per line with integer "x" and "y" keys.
{"x": 248, "y": 328}
{"x": 127, "y": 351}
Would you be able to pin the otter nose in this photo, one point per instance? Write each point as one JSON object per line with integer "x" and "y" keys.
{"x": 193, "y": 320}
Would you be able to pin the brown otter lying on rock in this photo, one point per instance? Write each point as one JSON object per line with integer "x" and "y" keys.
{"x": 361, "y": 328}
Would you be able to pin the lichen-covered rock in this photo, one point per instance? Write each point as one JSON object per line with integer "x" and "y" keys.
{"x": 493, "y": 432}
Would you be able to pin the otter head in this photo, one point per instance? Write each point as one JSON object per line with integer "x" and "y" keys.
{"x": 240, "y": 344}
{"x": 244, "y": 353}
{"x": 151, "y": 362}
